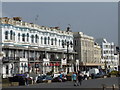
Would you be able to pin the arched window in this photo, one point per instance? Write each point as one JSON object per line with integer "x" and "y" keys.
{"x": 6, "y": 34}
{"x": 41, "y": 40}
{"x": 71, "y": 44}
{"x": 48, "y": 40}
{"x": 36, "y": 38}
{"x": 18, "y": 36}
{"x": 32, "y": 38}
{"x": 68, "y": 44}
{"x": 21, "y": 64}
{"x": 45, "y": 40}
{"x": 27, "y": 36}
{"x": 23, "y": 37}
{"x": 59, "y": 42}
{"x": 14, "y": 35}
{"x": 11, "y": 33}
{"x": 52, "y": 57}
{"x": 7, "y": 69}
{"x": 55, "y": 41}
{"x": 63, "y": 43}
{"x": 52, "y": 41}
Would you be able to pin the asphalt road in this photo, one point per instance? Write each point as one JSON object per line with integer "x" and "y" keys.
{"x": 93, "y": 83}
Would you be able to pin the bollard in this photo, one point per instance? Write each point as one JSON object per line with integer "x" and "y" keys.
{"x": 104, "y": 86}
{"x": 119, "y": 86}
{"x": 113, "y": 87}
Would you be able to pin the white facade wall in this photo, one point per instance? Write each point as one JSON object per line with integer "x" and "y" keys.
{"x": 20, "y": 27}
{"x": 84, "y": 47}
{"x": 97, "y": 54}
{"x": 108, "y": 54}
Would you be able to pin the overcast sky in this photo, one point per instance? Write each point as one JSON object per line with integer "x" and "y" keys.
{"x": 99, "y": 19}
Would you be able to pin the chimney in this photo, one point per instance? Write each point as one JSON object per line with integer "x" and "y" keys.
{"x": 17, "y": 18}
{"x": 68, "y": 29}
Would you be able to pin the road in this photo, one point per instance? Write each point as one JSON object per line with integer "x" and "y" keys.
{"x": 92, "y": 83}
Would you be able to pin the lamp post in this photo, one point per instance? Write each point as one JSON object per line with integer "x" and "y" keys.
{"x": 67, "y": 57}
{"x": 85, "y": 52}
{"x": 118, "y": 52}
{"x": 67, "y": 44}
{"x": 1, "y": 65}
{"x": 28, "y": 60}
{"x": 105, "y": 66}
{"x": 86, "y": 62}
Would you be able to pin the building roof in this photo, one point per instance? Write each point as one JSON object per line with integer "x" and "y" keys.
{"x": 81, "y": 34}
{"x": 17, "y": 21}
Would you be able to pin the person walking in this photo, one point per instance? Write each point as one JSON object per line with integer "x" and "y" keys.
{"x": 61, "y": 77}
{"x": 80, "y": 78}
{"x": 26, "y": 79}
{"x": 74, "y": 78}
{"x": 85, "y": 77}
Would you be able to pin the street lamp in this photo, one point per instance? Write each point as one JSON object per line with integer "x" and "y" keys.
{"x": 36, "y": 66}
{"x": 85, "y": 53}
{"x": 1, "y": 64}
{"x": 105, "y": 66}
{"x": 67, "y": 44}
{"x": 28, "y": 60}
{"x": 118, "y": 52}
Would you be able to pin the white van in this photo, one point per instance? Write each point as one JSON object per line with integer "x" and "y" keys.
{"x": 56, "y": 75}
{"x": 94, "y": 71}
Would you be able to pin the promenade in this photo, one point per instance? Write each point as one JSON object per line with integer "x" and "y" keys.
{"x": 92, "y": 83}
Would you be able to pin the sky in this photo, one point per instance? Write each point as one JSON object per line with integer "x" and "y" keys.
{"x": 60, "y": 0}
{"x": 97, "y": 19}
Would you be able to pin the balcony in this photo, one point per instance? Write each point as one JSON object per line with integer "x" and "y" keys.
{"x": 10, "y": 59}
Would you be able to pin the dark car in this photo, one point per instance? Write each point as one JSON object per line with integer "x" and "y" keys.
{"x": 57, "y": 79}
{"x": 18, "y": 78}
{"x": 48, "y": 77}
{"x": 40, "y": 79}
{"x": 43, "y": 78}
{"x": 99, "y": 75}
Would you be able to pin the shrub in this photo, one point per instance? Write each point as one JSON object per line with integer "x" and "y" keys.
{"x": 49, "y": 73}
{"x": 114, "y": 73}
{"x": 70, "y": 74}
{"x": 5, "y": 80}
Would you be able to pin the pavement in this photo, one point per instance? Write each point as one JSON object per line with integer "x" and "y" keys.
{"x": 92, "y": 83}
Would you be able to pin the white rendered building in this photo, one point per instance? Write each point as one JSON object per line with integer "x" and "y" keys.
{"x": 32, "y": 48}
{"x": 88, "y": 53}
{"x": 108, "y": 54}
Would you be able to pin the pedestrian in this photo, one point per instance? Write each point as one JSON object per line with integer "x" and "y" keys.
{"x": 85, "y": 77}
{"x": 61, "y": 77}
{"x": 33, "y": 80}
{"x": 93, "y": 76}
{"x": 80, "y": 78}
{"x": 74, "y": 78}
{"x": 27, "y": 78}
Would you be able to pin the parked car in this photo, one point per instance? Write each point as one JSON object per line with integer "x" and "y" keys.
{"x": 56, "y": 75}
{"x": 48, "y": 77}
{"x": 93, "y": 71}
{"x": 43, "y": 78}
{"x": 100, "y": 75}
{"x": 57, "y": 79}
{"x": 40, "y": 79}
{"x": 19, "y": 79}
